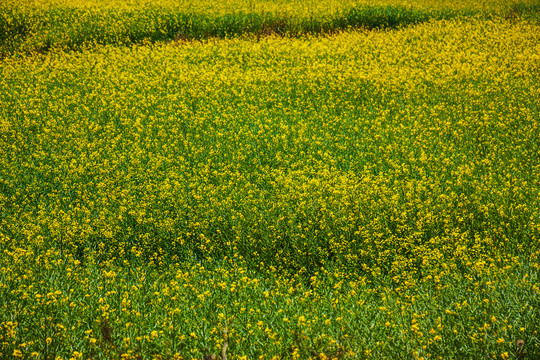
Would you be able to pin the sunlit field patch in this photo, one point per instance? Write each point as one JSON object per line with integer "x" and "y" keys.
{"x": 361, "y": 194}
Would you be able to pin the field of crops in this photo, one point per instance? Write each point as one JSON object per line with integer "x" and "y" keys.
{"x": 41, "y": 25}
{"x": 269, "y": 180}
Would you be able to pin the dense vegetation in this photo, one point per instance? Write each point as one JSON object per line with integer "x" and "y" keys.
{"x": 27, "y": 27}
{"x": 363, "y": 191}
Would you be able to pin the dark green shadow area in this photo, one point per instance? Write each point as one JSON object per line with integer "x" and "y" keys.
{"x": 25, "y": 32}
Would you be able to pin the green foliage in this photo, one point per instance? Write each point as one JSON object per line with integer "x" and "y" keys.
{"x": 369, "y": 193}
{"x": 55, "y": 308}
{"x": 71, "y": 28}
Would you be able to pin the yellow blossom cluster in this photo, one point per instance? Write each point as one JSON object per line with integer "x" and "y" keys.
{"x": 54, "y": 306}
{"x": 41, "y": 25}
{"x": 360, "y": 194}
{"x": 400, "y": 153}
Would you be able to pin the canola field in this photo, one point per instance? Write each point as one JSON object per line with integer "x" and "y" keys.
{"x": 41, "y": 25}
{"x": 363, "y": 189}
